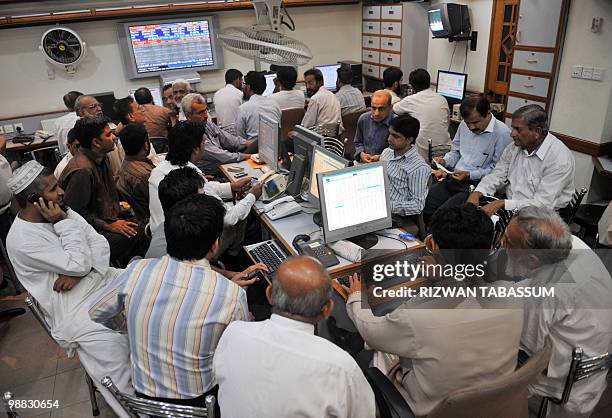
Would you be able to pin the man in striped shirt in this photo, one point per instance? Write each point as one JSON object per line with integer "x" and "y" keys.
{"x": 408, "y": 172}
{"x": 175, "y": 308}
{"x": 351, "y": 100}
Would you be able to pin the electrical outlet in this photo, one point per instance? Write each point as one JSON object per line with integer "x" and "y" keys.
{"x": 596, "y": 24}
{"x": 598, "y": 73}
{"x": 1, "y": 129}
{"x": 577, "y": 71}
{"x": 587, "y": 73}
{"x": 20, "y": 126}
{"x": 8, "y": 129}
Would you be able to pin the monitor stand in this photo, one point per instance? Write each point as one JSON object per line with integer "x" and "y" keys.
{"x": 365, "y": 241}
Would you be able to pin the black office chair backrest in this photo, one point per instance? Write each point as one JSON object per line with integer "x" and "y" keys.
{"x": 572, "y": 207}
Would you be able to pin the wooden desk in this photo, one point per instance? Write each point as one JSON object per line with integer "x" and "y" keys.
{"x": 250, "y": 167}
{"x": 30, "y": 146}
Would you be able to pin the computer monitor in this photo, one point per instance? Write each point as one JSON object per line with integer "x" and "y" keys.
{"x": 303, "y": 143}
{"x": 451, "y": 85}
{"x": 268, "y": 141}
{"x": 330, "y": 75}
{"x": 354, "y": 202}
{"x": 323, "y": 161}
{"x": 155, "y": 92}
{"x": 269, "y": 84}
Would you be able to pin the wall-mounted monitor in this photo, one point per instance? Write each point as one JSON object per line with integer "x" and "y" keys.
{"x": 155, "y": 47}
{"x": 449, "y": 19}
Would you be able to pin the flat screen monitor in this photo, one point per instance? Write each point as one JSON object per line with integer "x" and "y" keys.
{"x": 354, "y": 201}
{"x": 304, "y": 141}
{"x": 451, "y": 85}
{"x": 268, "y": 141}
{"x": 269, "y": 84}
{"x": 150, "y": 48}
{"x": 107, "y": 100}
{"x": 330, "y": 75}
{"x": 322, "y": 162}
{"x": 155, "y": 92}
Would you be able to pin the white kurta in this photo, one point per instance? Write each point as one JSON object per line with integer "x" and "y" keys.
{"x": 40, "y": 252}
{"x": 63, "y": 124}
{"x": 227, "y": 100}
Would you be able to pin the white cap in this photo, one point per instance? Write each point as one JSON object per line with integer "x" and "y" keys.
{"x": 24, "y": 176}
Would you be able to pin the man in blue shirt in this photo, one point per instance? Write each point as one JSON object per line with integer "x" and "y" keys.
{"x": 373, "y": 129}
{"x": 476, "y": 148}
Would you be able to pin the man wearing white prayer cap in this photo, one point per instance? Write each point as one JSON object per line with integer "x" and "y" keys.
{"x": 62, "y": 262}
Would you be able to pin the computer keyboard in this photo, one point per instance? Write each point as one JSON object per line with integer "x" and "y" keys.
{"x": 269, "y": 253}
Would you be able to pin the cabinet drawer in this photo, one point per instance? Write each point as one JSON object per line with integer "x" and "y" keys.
{"x": 534, "y": 61}
{"x": 390, "y": 60}
{"x": 391, "y": 44}
{"x": 371, "y": 27}
{"x": 371, "y": 70}
{"x": 535, "y": 86}
{"x": 371, "y": 42}
{"x": 392, "y": 12}
{"x": 371, "y": 12}
{"x": 391, "y": 28}
{"x": 515, "y": 103}
{"x": 370, "y": 56}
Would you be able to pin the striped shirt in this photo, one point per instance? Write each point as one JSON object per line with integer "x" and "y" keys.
{"x": 174, "y": 313}
{"x": 408, "y": 176}
{"x": 351, "y": 100}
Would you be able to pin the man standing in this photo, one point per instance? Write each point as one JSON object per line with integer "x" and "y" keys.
{"x": 63, "y": 262}
{"x": 392, "y": 79}
{"x": 91, "y": 191}
{"x": 288, "y": 97}
{"x": 431, "y": 110}
{"x": 478, "y": 145}
{"x": 323, "y": 108}
{"x": 247, "y": 119}
{"x": 220, "y": 147}
{"x": 157, "y": 119}
{"x": 65, "y": 123}
{"x": 289, "y": 371}
{"x": 351, "y": 100}
{"x": 537, "y": 171}
{"x": 228, "y": 99}
{"x": 373, "y": 129}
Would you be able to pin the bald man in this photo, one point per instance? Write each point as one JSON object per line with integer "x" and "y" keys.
{"x": 278, "y": 367}
{"x": 180, "y": 89}
{"x": 373, "y": 128}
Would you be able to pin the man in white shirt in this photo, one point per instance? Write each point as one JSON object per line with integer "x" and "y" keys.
{"x": 62, "y": 262}
{"x": 278, "y": 367}
{"x": 351, "y": 99}
{"x": 287, "y": 97}
{"x": 65, "y": 123}
{"x": 431, "y": 110}
{"x": 392, "y": 79}
{"x": 539, "y": 249}
{"x": 180, "y": 88}
{"x": 228, "y": 99}
{"x": 323, "y": 108}
{"x": 73, "y": 149}
{"x": 247, "y": 120}
{"x": 537, "y": 171}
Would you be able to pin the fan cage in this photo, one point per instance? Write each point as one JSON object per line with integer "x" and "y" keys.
{"x": 62, "y": 46}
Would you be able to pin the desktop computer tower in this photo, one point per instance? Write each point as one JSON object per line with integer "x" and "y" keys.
{"x": 355, "y": 67}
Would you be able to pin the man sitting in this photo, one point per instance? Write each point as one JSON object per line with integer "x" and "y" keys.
{"x": 61, "y": 261}
{"x": 247, "y": 119}
{"x": 373, "y": 129}
{"x": 538, "y": 245}
{"x": 168, "y": 102}
{"x": 228, "y": 99}
{"x": 408, "y": 173}
{"x": 289, "y": 371}
{"x": 443, "y": 350}
{"x": 287, "y": 97}
{"x": 220, "y": 147}
{"x": 157, "y": 119}
{"x": 351, "y": 100}
{"x": 65, "y": 123}
{"x": 175, "y": 308}
{"x": 91, "y": 191}
{"x": 478, "y": 145}
{"x": 323, "y": 108}
{"x": 537, "y": 171}
{"x": 73, "y": 149}
{"x": 392, "y": 79}
{"x": 180, "y": 88}
{"x": 430, "y": 108}
{"x": 133, "y": 178}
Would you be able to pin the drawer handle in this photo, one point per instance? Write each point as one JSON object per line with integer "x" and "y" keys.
{"x": 391, "y": 12}
{"x": 371, "y": 12}
{"x": 389, "y": 59}
{"x": 390, "y": 43}
{"x": 390, "y": 28}
{"x": 370, "y": 42}
{"x": 532, "y": 61}
{"x": 528, "y": 85}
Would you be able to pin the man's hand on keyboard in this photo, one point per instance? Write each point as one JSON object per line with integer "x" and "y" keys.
{"x": 355, "y": 284}
{"x": 242, "y": 278}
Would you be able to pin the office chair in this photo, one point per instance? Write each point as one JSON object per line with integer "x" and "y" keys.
{"x": 349, "y": 121}
{"x": 334, "y": 145}
{"x": 505, "y": 216}
{"x": 135, "y": 406}
{"x": 290, "y": 118}
{"x": 436, "y": 150}
{"x": 580, "y": 368}
{"x": 569, "y": 212}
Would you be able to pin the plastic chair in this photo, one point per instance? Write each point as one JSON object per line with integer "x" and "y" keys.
{"x": 580, "y": 368}
{"x": 334, "y": 145}
{"x": 135, "y": 406}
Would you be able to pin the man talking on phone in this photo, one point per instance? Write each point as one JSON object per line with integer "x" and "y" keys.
{"x": 62, "y": 262}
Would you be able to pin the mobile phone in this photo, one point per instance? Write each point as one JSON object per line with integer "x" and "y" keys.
{"x": 34, "y": 198}
{"x": 240, "y": 175}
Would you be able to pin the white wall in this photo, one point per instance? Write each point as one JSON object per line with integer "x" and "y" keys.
{"x": 440, "y": 50}
{"x": 331, "y": 32}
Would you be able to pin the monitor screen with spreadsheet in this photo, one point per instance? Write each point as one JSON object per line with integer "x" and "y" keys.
{"x": 451, "y": 85}
{"x": 354, "y": 201}
{"x": 150, "y": 48}
{"x": 268, "y": 141}
{"x": 330, "y": 75}
{"x": 322, "y": 162}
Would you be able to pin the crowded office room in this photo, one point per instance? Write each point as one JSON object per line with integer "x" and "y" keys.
{"x": 306, "y": 208}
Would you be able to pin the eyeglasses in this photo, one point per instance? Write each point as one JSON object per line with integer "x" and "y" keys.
{"x": 94, "y": 105}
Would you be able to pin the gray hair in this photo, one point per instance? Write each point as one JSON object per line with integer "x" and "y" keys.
{"x": 189, "y": 99}
{"x": 309, "y": 305}
{"x": 543, "y": 229}
{"x": 77, "y": 103}
{"x": 534, "y": 116}
{"x": 180, "y": 82}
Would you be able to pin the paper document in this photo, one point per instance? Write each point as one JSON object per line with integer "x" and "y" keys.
{"x": 441, "y": 167}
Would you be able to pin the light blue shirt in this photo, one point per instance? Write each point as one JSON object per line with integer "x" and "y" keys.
{"x": 478, "y": 153}
{"x": 247, "y": 120}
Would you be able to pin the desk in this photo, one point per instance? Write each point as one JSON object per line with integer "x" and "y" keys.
{"x": 603, "y": 166}
{"x": 250, "y": 168}
{"x": 30, "y": 146}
